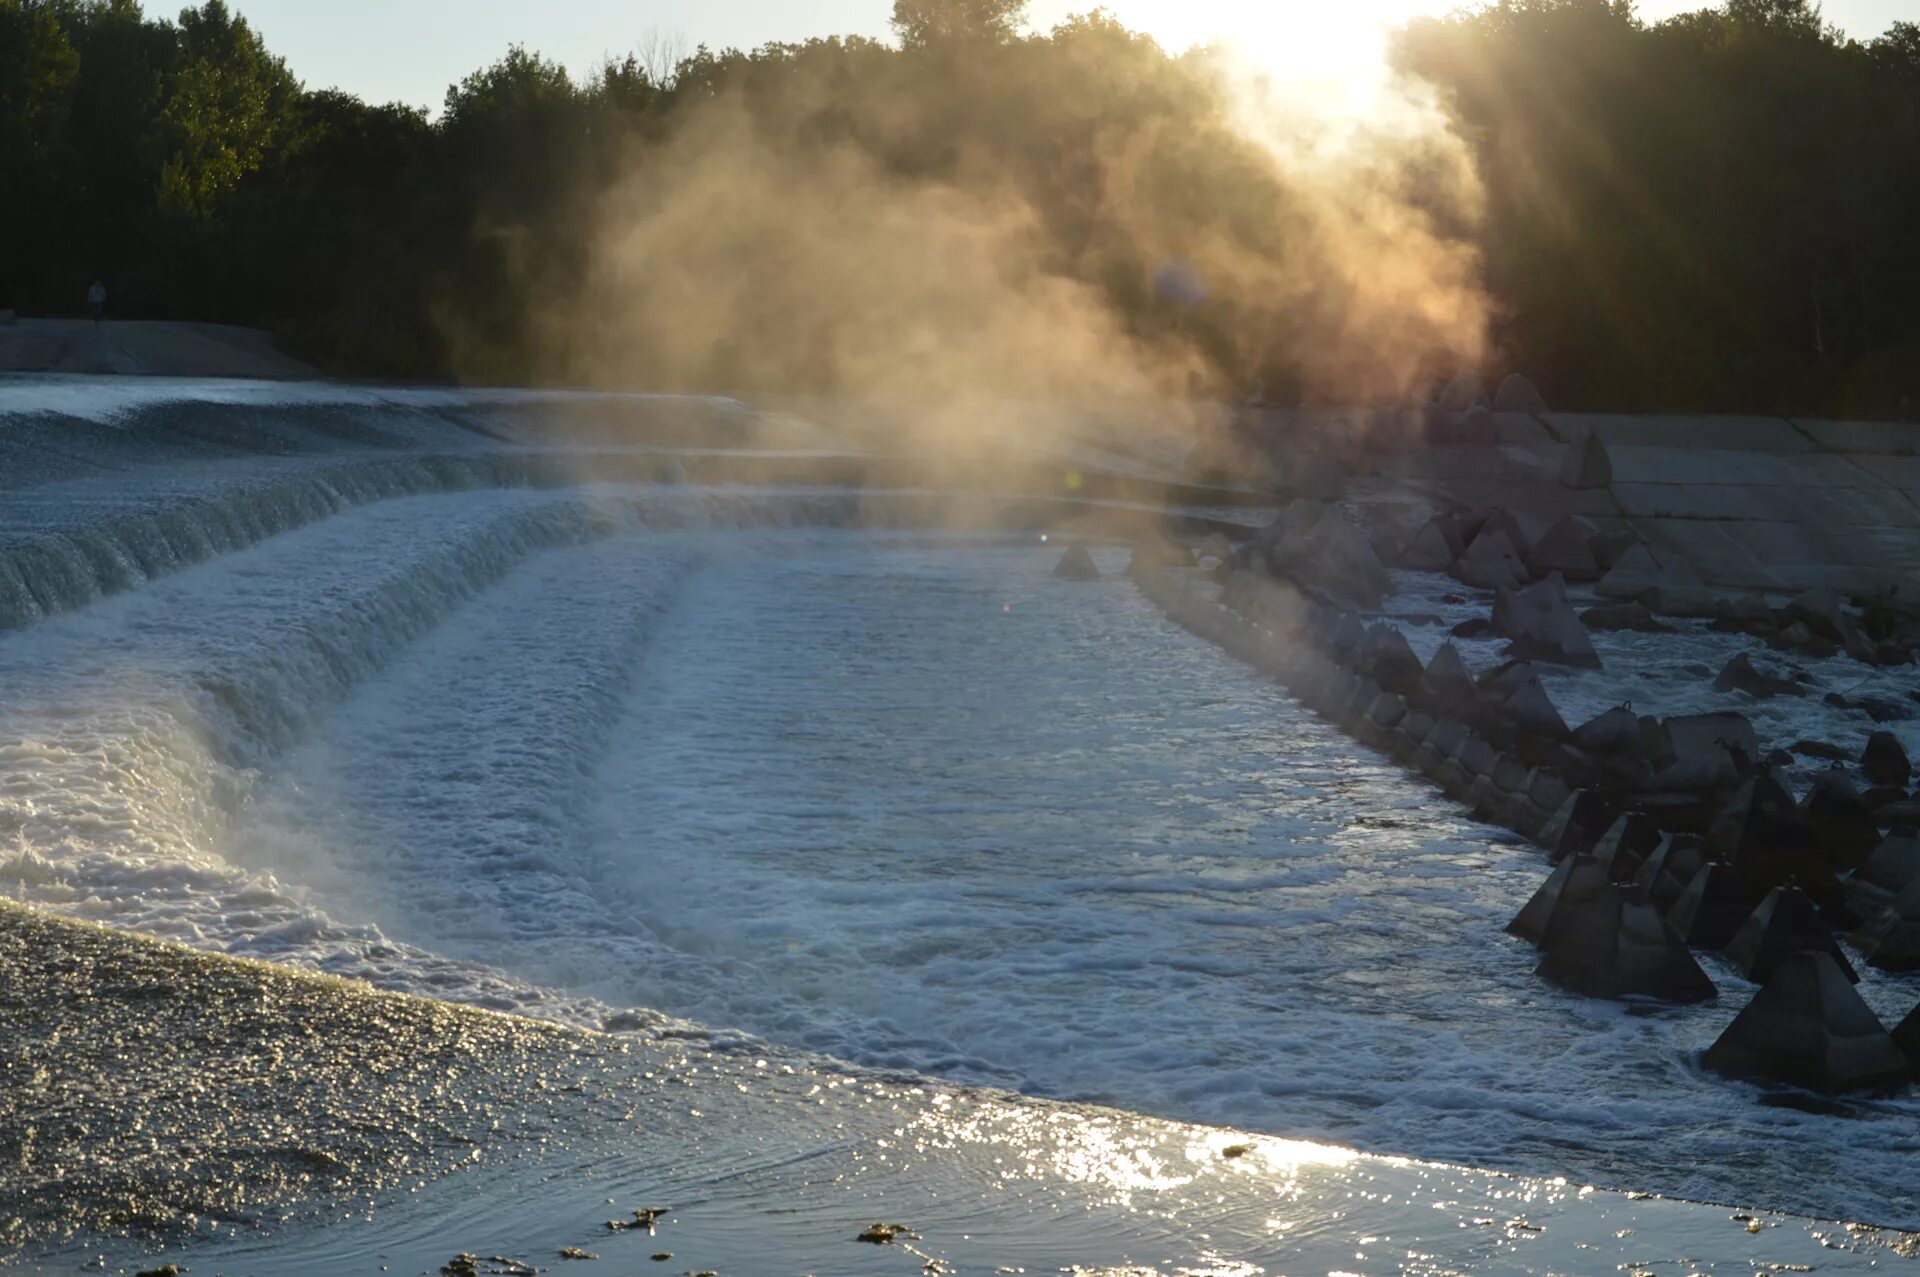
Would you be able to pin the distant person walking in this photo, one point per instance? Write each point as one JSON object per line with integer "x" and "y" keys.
{"x": 97, "y": 302}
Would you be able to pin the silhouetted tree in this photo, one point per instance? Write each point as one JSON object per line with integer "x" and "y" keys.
{"x": 1713, "y": 211}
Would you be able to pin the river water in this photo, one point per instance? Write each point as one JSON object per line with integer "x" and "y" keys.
{"x": 690, "y": 763}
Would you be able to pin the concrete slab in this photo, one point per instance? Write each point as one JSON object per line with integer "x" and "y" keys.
{"x": 1746, "y": 434}
{"x": 1719, "y": 552}
{"x": 1853, "y": 507}
{"x": 1899, "y": 472}
{"x": 1890, "y": 438}
{"x": 1543, "y": 497}
{"x": 1637, "y": 463}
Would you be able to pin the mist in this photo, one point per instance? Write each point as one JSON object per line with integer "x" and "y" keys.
{"x": 982, "y": 243}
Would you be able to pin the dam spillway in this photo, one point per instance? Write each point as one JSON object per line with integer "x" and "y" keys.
{"x": 842, "y": 780}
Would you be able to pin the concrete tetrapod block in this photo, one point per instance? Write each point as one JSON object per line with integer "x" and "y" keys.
{"x": 1586, "y": 464}
{"x": 1713, "y": 908}
{"x": 1885, "y": 761}
{"x": 1665, "y": 874}
{"x": 1809, "y": 1028}
{"x": 1334, "y": 556}
{"x": 1894, "y": 865}
{"x": 1517, "y": 394}
{"x": 1521, "y": 530}
{"x": 1614, "y": 741}
{"x": 1842, "y": 823}
{"x": 1820, "y": 610}
{"x": 1708, "y": 751}
{"x": 1618, "y": 946}
{"x": 1761, "y": 833}
{"x": 1740, "y": 674}
{"x": 1435, "y": 754}
{"x": 1390, "y": 660}
{"x": 1462, "y": 392}
{"x": 1544, "y": 794}
{"x": 1567, "y": 548}
{"x": 1578, "y": 823}
{"x": 1349, "y": 637}
{"x": 1543, "y": 625}
{"x": 1891, "y": 941}
{"x": 1077, "y": 565}
{"x": 1429, "y": 550}
{"x": 1574, "y": 882}
{"x": 1625, "y": 846}
{"x": 1785, "y": 923}
{"x": 1408, "y": 734}
{"x": 1491, "y": 563}
{"x": 1530, "y": 713}
{"x": 1448, "y": 687}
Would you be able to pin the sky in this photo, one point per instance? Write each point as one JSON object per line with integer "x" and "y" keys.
{"x": 411, "y": 50}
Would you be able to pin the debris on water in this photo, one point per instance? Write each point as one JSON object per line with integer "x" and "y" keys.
{"x": 164, "y": 1270}
{"x": 469, "y": 1265}
{"x": 576, "y": 1252}
{"x": 1236, "y": 1150}
{"x": 661, "y": 1256}
{"x": 646, "y": 1217}
{"x": 886, "y": 1234}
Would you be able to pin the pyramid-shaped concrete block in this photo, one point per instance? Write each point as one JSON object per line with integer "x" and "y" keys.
{"x": 1463, "y": 392}
{"x": 1077, "y": 565}
{"x": 1809, "y": 1028}
{"x": 1491, "y": 563}
{"x": 1894, "y": 865}
{"x": 1892, "y": 940}
{"x": 1574, "y": 883}
{"x": 1619, "y": 946}
{"x": 1666, "y": 874}
{"x": 1543, "y": 625}
{"x": 1587, "y": 464}
{"x": 1448, "y": 686}
{"x": 1713, "y": 908}
{"x": 1517, "y": 394}
{"x": 1532, "y": 713}
{"x": 1786, "y": 923}
{"x": 1565, "y": 547}
{"x": 1841, "y": 821}
{"x": 1429, "y": 550}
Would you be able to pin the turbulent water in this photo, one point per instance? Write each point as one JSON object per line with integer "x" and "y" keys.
{"x": 651, "y": 758}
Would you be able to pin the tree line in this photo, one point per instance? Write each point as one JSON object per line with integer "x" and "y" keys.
{"x": 1718, "y": 211}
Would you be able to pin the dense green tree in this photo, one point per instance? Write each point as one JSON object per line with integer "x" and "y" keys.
{"x": 928, "y": 22}
{"x": 225, "y": 108}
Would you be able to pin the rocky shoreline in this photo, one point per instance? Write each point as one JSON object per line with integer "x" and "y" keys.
{"x": 1668, "y": 834}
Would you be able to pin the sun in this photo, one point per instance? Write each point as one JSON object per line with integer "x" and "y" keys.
{"x": 1329, "y": 56}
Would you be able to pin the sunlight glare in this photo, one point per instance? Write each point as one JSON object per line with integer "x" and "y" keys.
{"x": 1327, "y": 57}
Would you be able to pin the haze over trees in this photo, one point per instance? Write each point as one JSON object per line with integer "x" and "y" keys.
{"x": 1712, "y": 212}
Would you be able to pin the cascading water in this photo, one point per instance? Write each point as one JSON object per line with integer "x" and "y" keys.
{"x": 787, "y": 771}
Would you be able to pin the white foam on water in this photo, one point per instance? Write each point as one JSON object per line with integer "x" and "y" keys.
{"x": 918, "y": 804}
{"x": 907, "y": 800}
{"x": 108, "y": 400}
